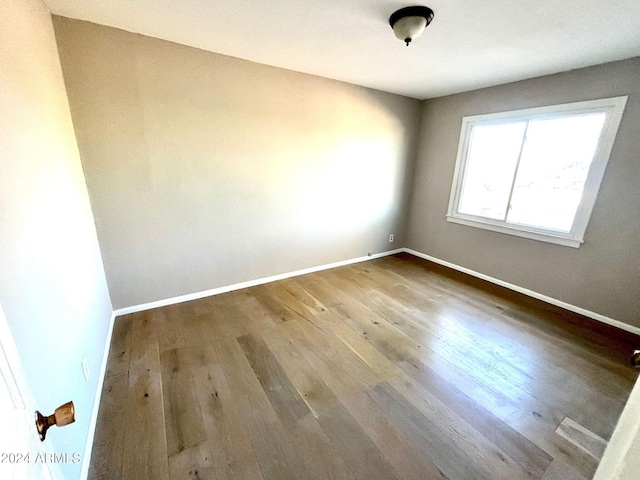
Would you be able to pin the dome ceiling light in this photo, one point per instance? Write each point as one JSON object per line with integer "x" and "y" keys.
{"x": 408, "y": 23}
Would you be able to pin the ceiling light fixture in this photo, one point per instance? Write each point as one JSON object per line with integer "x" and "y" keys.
{"x": 408, "y": 23}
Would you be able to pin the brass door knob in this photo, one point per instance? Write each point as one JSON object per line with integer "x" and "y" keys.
{"x": 635, "y": 359}
{"x": 64, "y": 415}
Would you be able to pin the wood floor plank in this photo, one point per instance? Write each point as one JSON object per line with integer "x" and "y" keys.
{"x": 351, "y": 390}
{"x": 183, "y": 419}
{"x": 362, "y": 459}
{"x": 540, "y": 383}
{"x": 297, "y": 299}
{"x": 506, "y": 440}
{"x": 449, "y": 345}
{"x": 488, "y": 317}
{"x": 265, "y": 295}
{"x": 420, "y": 358}
{"x": 551, "y": 402}
{"x": 555, "y": 445}
{"x": 561, "y": 471}
{"x": 145, "y": 447}
{"x": 224, "y": 317}
{"x": 110, "y": 427}
{"x": 194, "y": 463}
{"x": 275, "y": 452}
{"x": 490, "y": 425}
{"x": 410, "y": 356}
{"x": 605, "y": 343}
{"x": 368, "y": 445}
{"x": 433, "y": 439}
{"x": 511, "y": 345}
{"x": 474, "y": 403}
{"x": 540, "y": 435}
{"x": 118, "y": 359}
{"x": 234, "y": 457}
{"x": 325, "y": 294}
{"x": 295, "y": 415}
{"x": 486, "y": 405}
{"x": 582, "y": 438}
{"x": 168, "y": 326}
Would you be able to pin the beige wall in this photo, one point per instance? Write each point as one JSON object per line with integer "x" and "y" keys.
{"x": 603, "y": 275}
{"x": 206, "y": 170}
{"x": 52, "y": 285}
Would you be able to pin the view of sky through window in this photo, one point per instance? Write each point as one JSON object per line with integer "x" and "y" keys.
{"x": 530, "y": 172}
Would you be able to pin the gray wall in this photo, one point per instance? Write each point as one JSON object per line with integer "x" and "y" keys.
{"x": 52, "y": 285}
{"x": 206, "y": 170}
{"x": 603, "y": 275}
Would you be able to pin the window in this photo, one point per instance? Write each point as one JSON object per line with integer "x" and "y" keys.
{"x": 534, "y": 173}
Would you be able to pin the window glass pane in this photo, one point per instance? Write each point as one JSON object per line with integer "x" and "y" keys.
{"x": 491, "y": 162}
{"x": 553, "y": 169}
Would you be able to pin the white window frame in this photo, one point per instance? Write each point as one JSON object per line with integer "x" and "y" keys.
{"x": 612, "y": 107}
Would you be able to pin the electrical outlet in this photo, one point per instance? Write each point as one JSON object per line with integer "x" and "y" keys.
{"x": 85, "y": 368}
{"x": 391, "y": 238}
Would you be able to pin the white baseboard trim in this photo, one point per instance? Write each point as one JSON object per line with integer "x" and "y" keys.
{"x": 86, "y": 460}
{"x": 250, "y": 283}
{"x": 553, "y": 301}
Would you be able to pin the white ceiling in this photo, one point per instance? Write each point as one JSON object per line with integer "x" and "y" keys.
{"x": 470, "y": 44}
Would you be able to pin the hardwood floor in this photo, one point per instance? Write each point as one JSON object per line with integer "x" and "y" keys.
{"x": 394, "y": 368}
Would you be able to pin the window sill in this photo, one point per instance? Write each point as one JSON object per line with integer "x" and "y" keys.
{"x": 518, "y": 232}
